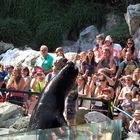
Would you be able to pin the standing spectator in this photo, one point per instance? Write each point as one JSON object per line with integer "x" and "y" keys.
{"x": 107, "y": 63}
{"x": 82, "y": 58}
{"x": 98, "y": 49}
{"x": 88, "y": 66}
{"x": 45, "y": 60}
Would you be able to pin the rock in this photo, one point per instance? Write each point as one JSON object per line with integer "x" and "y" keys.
{"x": 4, "y": 131}
{"x": 112, "y": 20}
{"x": 20, "y": 125}
{"x": 97, "y": 117}
{"x": 80, "y": 116}
{"x": 9, "y": 113}
{"x": 5, "y": 46}
{"x": 137, "y": 39}
{"x": 16, "y": 57}
{"x": 86, "y": 40}
{"x": 132, "y": 18}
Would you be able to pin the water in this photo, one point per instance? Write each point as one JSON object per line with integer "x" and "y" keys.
{"x": 90, "y": 131}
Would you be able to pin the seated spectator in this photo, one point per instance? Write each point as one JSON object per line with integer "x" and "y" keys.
{"x": 38, "y": 83}
{"x": 88, "y": 66}
{"x": 130, "y": 46}
{"x": 3, "y": 74}
{"x": 102, "y": 84}
{"x": 135, "y": 123}
{"x": 14, "y": 83}
{"x": 59, "y": 52}
{"x": 106, "y": 94}
{"x": 128, "y": 106}
{"x": 128, "y": 87}
{"x": 136, "y": 77}
{"x": 127, "y": 62}
{"x": 137, "y": 101}
{"x": 83, "y": 91}
{"x": 25, "y": 81}
{"x": 9, "y": 71}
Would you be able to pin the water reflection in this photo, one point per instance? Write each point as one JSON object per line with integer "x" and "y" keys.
{"x": 90, "y": 131}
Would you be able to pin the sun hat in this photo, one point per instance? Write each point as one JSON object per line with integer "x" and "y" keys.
{"x": 39, "y": 70}
{"x": 137, "y": 113}
{"x": 108, "y": 38}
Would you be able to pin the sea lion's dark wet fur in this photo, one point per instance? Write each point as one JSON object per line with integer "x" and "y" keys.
{"x": 48, "y": 112}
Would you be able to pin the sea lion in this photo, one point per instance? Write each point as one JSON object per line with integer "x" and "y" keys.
{"x": 48, "y": 112}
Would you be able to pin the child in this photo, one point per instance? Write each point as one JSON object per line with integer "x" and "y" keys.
{"x": 128, "y": 106}
{"x": 30, "y": 104}
{"x": 135, "y": 123}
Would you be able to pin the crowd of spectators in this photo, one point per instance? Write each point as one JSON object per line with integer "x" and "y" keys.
{"x": 109, "y": 72}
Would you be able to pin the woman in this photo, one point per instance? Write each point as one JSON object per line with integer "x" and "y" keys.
{"x": 130, "y": 46}
{"x": 15, "y": 83}
{"x": 83, "y": 91}
{"x": 88, "y": 66}
{"x": 129, "y": 87}
{"x": 25, "y": 81}
{"x": 102, "y": 84}
{"x": 136, "y": 77}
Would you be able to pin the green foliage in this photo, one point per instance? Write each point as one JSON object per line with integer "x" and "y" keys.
{"x": 46, "y": 21}
{"x": 14, "y": 31}
{"x": 120, "y": 33}
{"x": 81, "y": 13}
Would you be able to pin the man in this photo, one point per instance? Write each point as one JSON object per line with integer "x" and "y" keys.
{"x": 45, "y": 60}
{"x": 127, "y": 62}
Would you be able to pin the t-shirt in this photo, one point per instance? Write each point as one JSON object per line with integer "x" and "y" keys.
{"x": 39, "y": 86}
{"x": 117, "y": 50}
{"x": 44, "y": 62}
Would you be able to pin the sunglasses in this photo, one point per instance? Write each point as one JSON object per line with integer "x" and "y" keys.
{"x": 127, "y": 79}
{"x": 102, "y": 80}
{"x": 130, "y": 43}
{"x": 44, "y": 50}
{"x": 39, "y": 74}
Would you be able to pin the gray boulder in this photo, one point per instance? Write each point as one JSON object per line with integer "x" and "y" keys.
{"x": 20, "y": 125}
{"x": 9, "y": 113}
{"x": 5, "y": 46}
{"x": 132, "y": 18}
{"x": 86, "y": 40}
{"x": 97, "y": 117}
